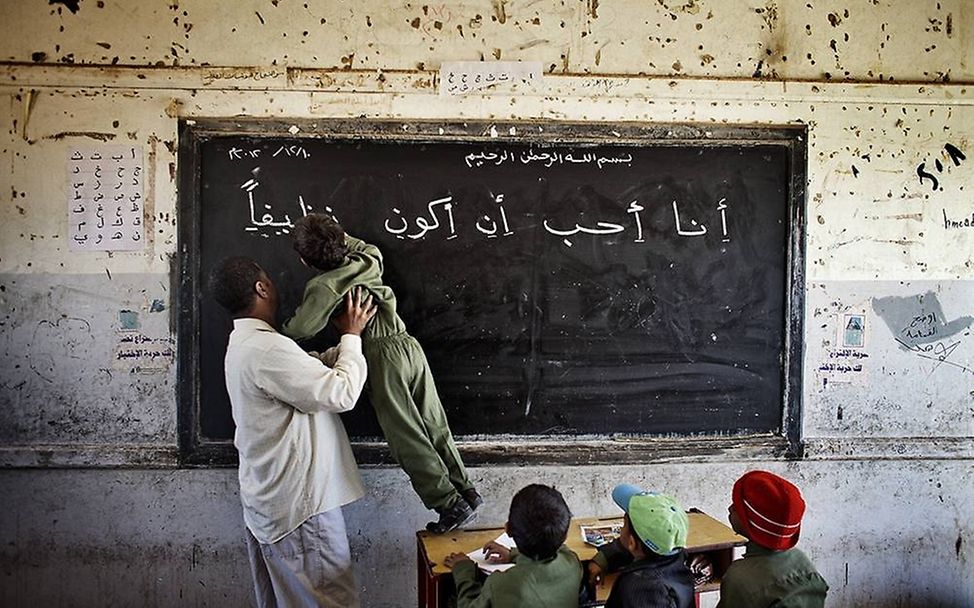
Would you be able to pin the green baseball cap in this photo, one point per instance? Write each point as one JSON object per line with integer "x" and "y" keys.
{"x": 659, "y": 520}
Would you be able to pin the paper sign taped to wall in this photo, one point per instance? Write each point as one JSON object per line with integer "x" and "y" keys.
{"x": 847, "y": 361}
{"x": 137, "y": 352}
{"x": 105, "y": 199}
{"x": 464, "y": 77}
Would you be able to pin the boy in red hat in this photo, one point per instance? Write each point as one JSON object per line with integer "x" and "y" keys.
{"x": 768, "y": 510}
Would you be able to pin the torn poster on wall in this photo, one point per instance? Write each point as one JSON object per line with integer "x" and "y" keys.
{"x": 846, "y": 361}
{"x": 105, "y": 199}
{"x": 138, "y": 352}
{"x": 463, "y": 77}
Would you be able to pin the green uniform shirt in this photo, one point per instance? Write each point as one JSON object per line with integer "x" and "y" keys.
{"x": 400, "y": 383}
{"x": 530, "y": 583}
{"x": 324, "y": 293}
{"x": 783, "y": 579}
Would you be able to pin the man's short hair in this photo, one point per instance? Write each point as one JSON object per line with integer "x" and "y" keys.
{"x": 539, "y": 521}
{"x": 320, "y": 241}
{"x": 232, "y": 283}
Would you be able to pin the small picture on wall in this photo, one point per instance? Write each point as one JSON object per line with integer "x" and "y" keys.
{"x": 854, "y": 331}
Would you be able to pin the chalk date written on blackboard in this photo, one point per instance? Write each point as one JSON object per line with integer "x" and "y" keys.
{"x": 291, "y": 151}
{"x": 440, "y": 218}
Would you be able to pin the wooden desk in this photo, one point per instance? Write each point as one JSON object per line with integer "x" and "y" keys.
{"x": 435, "y": 584}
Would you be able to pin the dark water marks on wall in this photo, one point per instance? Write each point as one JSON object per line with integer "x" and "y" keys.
{"x": 72, "y": 5}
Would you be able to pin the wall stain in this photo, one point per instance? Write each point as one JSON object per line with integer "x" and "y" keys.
{"x": 692, "y": 7}
{"x": 72, "y": 5}
{"x": 500, "y": 11}
{"x": 919, "y": 319}
{"x": 90, "y": 134}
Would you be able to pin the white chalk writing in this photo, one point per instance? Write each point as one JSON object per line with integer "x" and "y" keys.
{"x": 440, "y": 217}
{"x": 547, "y": 158}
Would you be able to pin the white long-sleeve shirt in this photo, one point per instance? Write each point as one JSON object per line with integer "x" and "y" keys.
{"x": 295, "y": 458}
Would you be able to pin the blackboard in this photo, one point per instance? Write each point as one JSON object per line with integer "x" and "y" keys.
{"x": 575, "y": 281}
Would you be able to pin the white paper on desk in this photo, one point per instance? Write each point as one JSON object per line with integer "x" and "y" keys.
{"x": 478, "y": 557}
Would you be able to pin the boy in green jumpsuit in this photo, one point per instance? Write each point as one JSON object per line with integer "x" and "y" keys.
{"x": 768, "y": 510}
{"x": 400, "y": 384}
{"x": 547, "y": 574}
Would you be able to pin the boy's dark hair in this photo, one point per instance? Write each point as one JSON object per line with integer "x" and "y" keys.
{"x": 320, "y": 241}
{"x": 539, "y": 521}
{"x": 232, "y": 283}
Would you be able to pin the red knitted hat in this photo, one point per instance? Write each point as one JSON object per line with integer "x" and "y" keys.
{"x": 770, "y": 509}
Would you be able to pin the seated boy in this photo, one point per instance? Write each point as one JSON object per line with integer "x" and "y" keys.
{"x": 648, "y": 554}
{"x": 547, "y": 574}
{"x": 768, "y": 510}
{"x": 400, "y": 384}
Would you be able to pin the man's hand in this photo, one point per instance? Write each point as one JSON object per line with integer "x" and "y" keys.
{"x": 455, "y": 558}
{"x": 358, "y": 313}
{"x": 497, "y": 553}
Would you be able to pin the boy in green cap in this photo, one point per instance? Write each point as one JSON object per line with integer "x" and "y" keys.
{"x": 547, "y": 574}
{"x": 400, "y": 384}
{"x": 649, "y": 553}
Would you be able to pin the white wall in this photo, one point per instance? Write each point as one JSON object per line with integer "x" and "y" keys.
{"x": 882, "y": 86}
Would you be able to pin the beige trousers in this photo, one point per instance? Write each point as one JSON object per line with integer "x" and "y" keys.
{"x": 308, "y": 568}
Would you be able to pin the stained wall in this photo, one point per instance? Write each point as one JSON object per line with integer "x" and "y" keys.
{"x": 102, "y": 514}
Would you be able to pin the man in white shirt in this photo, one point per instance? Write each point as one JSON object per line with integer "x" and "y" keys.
{"x": 296, "y": 465}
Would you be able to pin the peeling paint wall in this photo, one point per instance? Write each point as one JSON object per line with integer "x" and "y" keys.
{"x": 87, "y": 341}
{"x": 873, "y": 40}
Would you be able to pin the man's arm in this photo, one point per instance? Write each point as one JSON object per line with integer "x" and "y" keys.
{"x": 329, "y": 357}
{"x": 303, "y": 381}
{"x": 292, "y": 376}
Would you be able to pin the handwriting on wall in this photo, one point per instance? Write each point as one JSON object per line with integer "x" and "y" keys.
{"x": 958, "y": 222}
{"x": 463, "y": 77}
{"x": 137, "y": 352}
{"x": 949, "y": 153}
{"x": 443, "y": 216}
{"x": 105, "y": 199}
{"x": 919, "y": 326}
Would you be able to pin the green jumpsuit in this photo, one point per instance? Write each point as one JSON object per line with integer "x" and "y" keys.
{"x": 400, "y": 384}
{"x": 554, "y": 583}
{"x": 772, "y": 578}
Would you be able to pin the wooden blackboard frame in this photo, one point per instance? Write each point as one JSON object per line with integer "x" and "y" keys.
{"x": 197, "y": 450}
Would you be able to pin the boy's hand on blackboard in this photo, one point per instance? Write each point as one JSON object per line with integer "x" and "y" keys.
{"x": 358, "y": 312}
{"x": 455, "y": 558}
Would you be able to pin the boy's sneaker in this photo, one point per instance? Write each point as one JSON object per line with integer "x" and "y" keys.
{"x": 452, "y": 517}
{"x": 473, "y": 498}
